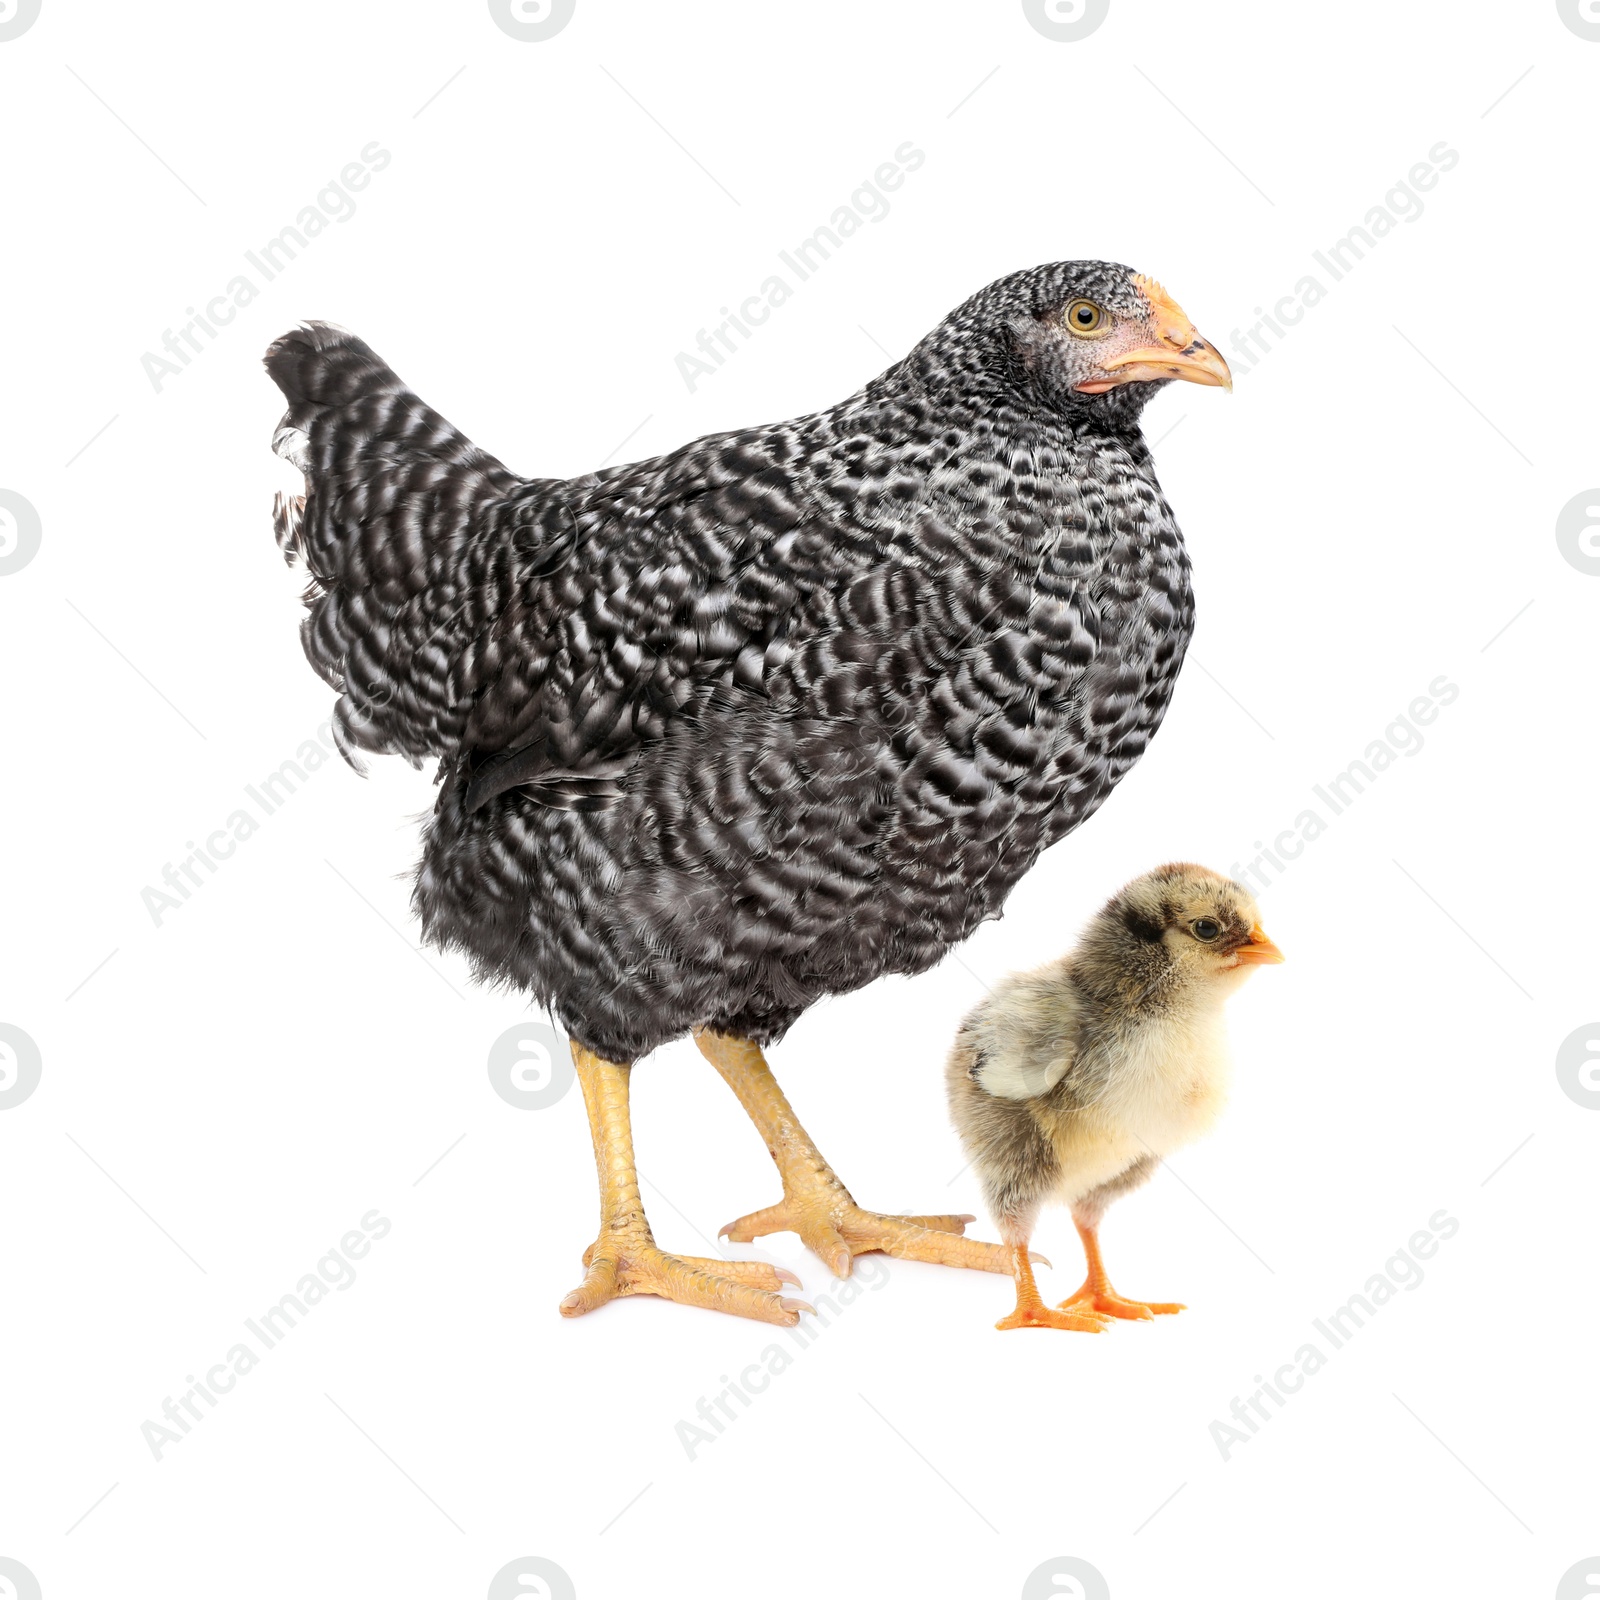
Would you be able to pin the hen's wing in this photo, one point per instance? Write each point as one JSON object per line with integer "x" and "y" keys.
{"x": 689, "y": 580}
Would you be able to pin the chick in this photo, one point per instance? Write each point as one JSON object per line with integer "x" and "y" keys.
{"x": 1071, "y": 1082}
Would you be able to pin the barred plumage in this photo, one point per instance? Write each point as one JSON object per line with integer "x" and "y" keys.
{"x": 764, "y": 718}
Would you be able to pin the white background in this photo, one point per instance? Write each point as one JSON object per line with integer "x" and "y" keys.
{"x": 231, "y": 1091}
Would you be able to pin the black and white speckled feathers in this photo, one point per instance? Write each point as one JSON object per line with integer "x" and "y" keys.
{"x": 756, "y": 721}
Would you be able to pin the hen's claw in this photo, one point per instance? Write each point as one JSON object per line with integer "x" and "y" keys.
{"x": 758, "y": 1274}
{"x": 815, "y": 1204}
{"x": 834, "y": 1227}
{"x": 620, "y": 1266}
{"x": 625, "y": 1260}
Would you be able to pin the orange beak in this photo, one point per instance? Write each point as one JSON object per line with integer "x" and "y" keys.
{"x": 1260, "y": 952}
{"x": 1194, "y": 361}
{"x": 1176, "y": 350}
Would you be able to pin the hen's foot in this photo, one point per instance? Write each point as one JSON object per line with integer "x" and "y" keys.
{"x": 620, "y": 1265}
{"x": 625, "y": 1259}
{"x": 832, "y": 1225}
{"x": 1106, "y": 1302}
{"x": 815, "y": 1204}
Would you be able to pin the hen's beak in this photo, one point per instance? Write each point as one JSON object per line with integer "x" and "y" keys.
{"x": 1194, "y": 361}
{"x": 1260, "y": 952}
{"x": 1176, "y": 350}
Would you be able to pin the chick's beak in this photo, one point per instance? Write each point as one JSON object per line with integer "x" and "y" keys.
{"x": 1175, "y": 350}
{"x": 1260, "y": 952}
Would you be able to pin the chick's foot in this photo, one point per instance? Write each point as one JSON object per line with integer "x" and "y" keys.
{"x": 1041, "y": 1316}
{"x": 1096, "y": 1294}
{"x": 1106, "y": 1302}
{"x": 1031, "y": 1311}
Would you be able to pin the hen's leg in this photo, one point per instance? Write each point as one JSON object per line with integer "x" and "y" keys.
{"x": 1031, "y": 1310}
{"x": 815, "y": 1204}
{"x": 625, "y": 1260}
{"x": 1097, "y": 1295}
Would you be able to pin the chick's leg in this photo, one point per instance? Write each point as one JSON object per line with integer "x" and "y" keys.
{"x": 625, "y": 1259}
{"x": 1097, "y": 1295}
{"x": 1031, "y": 1310}
{"x": 815, "y": 1204}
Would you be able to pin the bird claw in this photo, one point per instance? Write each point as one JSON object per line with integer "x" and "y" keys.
{"x": 1044, "y": 1317}
{"x": 618, "y": 1267}
{"x": 834, "y": 1227}
{"x": 1108, "y": 1303}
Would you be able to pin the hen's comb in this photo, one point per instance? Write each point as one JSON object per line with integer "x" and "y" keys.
{"x": 1158, "y": 297}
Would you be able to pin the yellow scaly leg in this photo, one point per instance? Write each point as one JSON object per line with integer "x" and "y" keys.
{"x": 625, "y": 1259}
{"x": 815, "y": 1204}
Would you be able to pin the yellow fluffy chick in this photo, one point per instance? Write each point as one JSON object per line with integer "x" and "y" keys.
{"x": 1070, "y": 1083}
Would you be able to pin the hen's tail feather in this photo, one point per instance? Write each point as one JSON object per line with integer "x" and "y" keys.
{"x": 287, "y": 510}
{"x": 398, "y": 529}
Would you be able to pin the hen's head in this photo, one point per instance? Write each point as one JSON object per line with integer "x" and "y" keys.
{"x": 1091, "y": 339}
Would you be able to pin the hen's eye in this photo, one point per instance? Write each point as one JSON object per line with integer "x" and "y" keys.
{"x": 1084, "y": 316}
{"x": 1205, "y": 929}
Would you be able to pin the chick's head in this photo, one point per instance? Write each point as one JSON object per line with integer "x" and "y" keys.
{"x": 1181, "y": 927}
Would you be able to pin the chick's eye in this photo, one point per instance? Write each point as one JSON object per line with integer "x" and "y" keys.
{"x": 1205, "y": 929}
{"x": 1084, "y": 317}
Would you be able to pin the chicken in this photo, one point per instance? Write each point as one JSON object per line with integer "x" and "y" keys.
{"x": 1072, "y": 1082}
{"x": 757, "y": 721}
